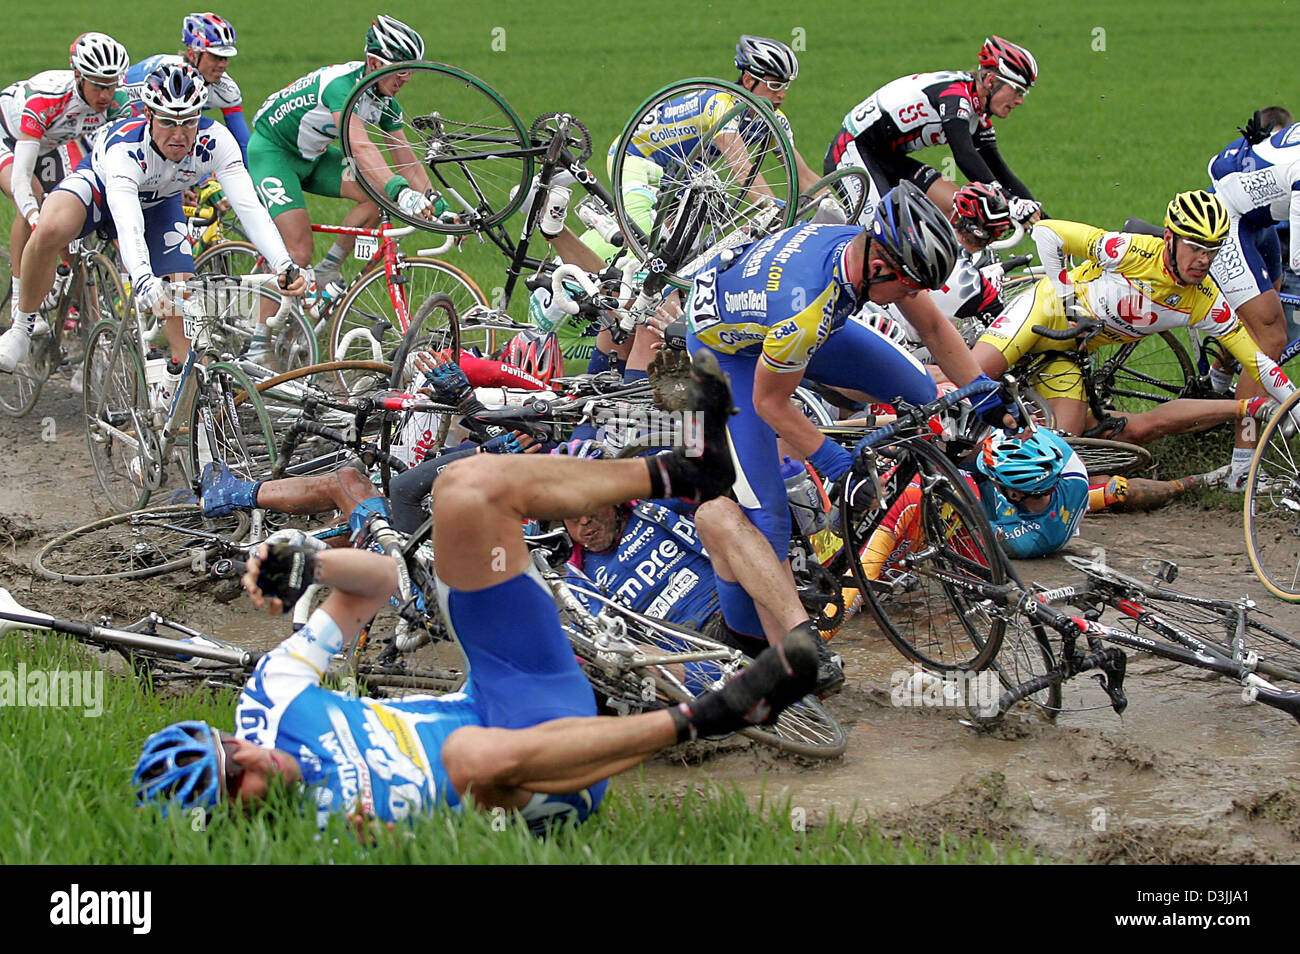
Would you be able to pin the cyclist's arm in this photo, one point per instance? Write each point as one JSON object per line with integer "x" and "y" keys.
{"x": 122, "y": 196}
{"x": 987, "y": 144}
{"x": 412, "y": 169}
{"x": 26, "y": 150}
{"x": 1058, "y": 239}
{"x": 955, "y": 110}
{"x": 371, "y": 164}
{"x": 238, "y": 126}
{"x": 733, "y": 150}
{"x": 772, "y": 393}
{"x": 807, "y": 177}
{"x": 1239, "y": 343}
{"x": 230, "y": 170}
{"x": 1295, "y": 226}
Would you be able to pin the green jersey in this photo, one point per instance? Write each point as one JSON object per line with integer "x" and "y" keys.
{"x": 300, "y": 117}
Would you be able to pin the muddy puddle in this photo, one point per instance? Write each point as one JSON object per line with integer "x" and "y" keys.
{"x": 1189, "y": 773}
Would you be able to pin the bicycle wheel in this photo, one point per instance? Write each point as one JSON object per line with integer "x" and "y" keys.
{"x": 230, "y": 258}
{"x": 137, "y": 545}
{"x": 925, "y": 595}
{"x": 1026, "y": 653}
{"x": 1138, "y": 375}
{"x": 723, "y": 170}
{"x": 118, "y": 421}
{"x": 20, "y": 389}
{"x": 221, "y": 429}
{"x": 451, "y": 127}
{"x": 837, "y": 198}
{"x": 1114, "y": 458}
{"x": 1272, "y": 507}
{"x": 434, "y": 327}
{"x": 366, "y": 327}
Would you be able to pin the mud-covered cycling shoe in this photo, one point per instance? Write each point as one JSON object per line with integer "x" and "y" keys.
{"x": 778, "y": 678}
{"x": 222, "y": 493}
{"x": 702, "y": 468}
{"x": 830, "y": 671}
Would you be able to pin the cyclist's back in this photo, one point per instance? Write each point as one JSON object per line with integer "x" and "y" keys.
{"x": 300, "y": 117}
{"x": 671, "y": 136}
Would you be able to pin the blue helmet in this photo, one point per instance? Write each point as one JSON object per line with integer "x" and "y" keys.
{"x": 209, "y": 33}
{"x": 915, "y": 235}
{"x": 1031, "y": 465}
{"x": 183, "y": 765}
{"x": 175, "y": 91}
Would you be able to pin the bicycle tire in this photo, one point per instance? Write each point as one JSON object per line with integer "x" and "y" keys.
{"x": 135, "y": 545}
{"x": 849, "y": 187}
{"x": 1272, "y": 506}
{"x": 1138, "y": 375}
{"x": 231, "y": 257}
{"x": 20, "y": 389}
{"x": 937, "y": 622}
{"x": 1026, "y": 653}
{"x": 1114, "y": 458}
{"x": 434, "y": 327}
{"x": 464, "y": 135}
{"x": 725, "y": 205}
{"x": 114, "y": 401}
{"x": 245, "y": 438}
{"x": 364, "y": 326}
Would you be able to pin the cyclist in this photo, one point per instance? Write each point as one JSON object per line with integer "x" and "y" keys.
{"x": 43, "y": 125}
{"x": 929, "y": 109}
{"x": 130, "y": 186}
{"x": 1257, "y": 178}
{"x": 1135, "y": 285}
{"x": 207, "y": 44}
{"x": 293, "y": 150}
{"x": 778, "y": 311}
{"x": 521, "y": 736}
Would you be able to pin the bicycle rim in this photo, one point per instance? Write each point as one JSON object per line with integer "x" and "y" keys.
{"x": 20, "y": 389}
{"x": 1272, "y": 507}
{"x": 1139, "y": 375}
{"x": 115, "y": 402}
{"x": 465, "y": 138}
{"x": 843, "y": 193}
{"x": 135, "y": 545}
{"x": 1113, "y": 458}
{"x": 240, "y": 432}
{"x": 1026, "y": 653}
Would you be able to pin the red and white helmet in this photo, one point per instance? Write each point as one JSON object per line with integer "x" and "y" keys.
{"x": 1010, "y": 62}
{"x": 537, "y": 353}
{"x": 98, "y": 57}
{"x": 982, "y": 210}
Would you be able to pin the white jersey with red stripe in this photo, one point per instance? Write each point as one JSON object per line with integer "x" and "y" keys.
{"x": 908, "y": 114}
{"x": 48, "y": 108}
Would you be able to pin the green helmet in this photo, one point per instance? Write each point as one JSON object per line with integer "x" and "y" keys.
{"x": 392, "y": 40}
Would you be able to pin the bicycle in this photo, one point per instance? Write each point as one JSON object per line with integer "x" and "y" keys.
{"x": 86, "y": 290}
{"x": 1272, "y": 506}
{"x": 131, "y": 436}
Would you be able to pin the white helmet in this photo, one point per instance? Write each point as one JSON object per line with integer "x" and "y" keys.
{"x": 98, "y": 56}
{"x": 175, "y": 91}
{"x": 764, "y": 58}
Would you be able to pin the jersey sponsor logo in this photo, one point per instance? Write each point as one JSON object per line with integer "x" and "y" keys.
{"x": 747, "y": 300}
{"x": 1113, "y": 246}
{"x": 1133, "y": 309}
{"x": 785, "y": 330}
{"x": 204, "y": 147}
{"x": 1277, "y": 377}
{"x": 177, "y": 239}
{"x": 1221, "y": 314}
{"x": 290, "y": 106}
{"x": 734, "y": 338}
{"x": 138, "y": 155}
{"x": 1173, "y": 300}
{"x": 273, "y": 191}
{"x": 1261, "y": 187}
{"x": 911, "y": 114}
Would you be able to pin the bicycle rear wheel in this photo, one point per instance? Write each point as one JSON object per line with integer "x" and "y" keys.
{"x": 1272, "y": 507}
{"x": 452, "y": 127}
{"x": 1115, "y": 458}
{"x": 728, "y": 177}
{"x": 238, "y": 433}
{"x": 118, "y": 426}
{"x": 20, "y": 389}
{"x": 136, "y": 545}
{"x": 925, "y": 595}
{"x": 1026, "y": 653}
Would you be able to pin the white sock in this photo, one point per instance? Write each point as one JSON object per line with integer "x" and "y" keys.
{"x": 1241, "y": 457}
{"x": 1220, "y": 380}
{"x": 25, "y": 322}
{"x": 13, "y": 305}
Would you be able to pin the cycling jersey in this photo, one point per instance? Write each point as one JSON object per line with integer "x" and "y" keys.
{"x": 670, "y": 135}
{"x": 1024, "y": 534}
{"x": 224, "y": 94}
{"x": 125, "y": 178}
{"x": 658, "y": 567}
{"x": 918, "y": 111}
{"x": 300, "y": 117}
{"x": 383, "y": 757}
{"x": 968, "y": 297}
{"x": 1259, "y": 185}
{"x": 1124, "y": 283}
{"x": 49, "y": 108}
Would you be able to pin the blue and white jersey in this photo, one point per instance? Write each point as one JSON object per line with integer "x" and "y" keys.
{"x": 224, "y": 94}
{"x": 134, "y": 176}
{"x": 659, "y": 568}
{"x": 1260, "y": 184}
{"x": 378, "y": 757}
{"x": 1025, "y": 535}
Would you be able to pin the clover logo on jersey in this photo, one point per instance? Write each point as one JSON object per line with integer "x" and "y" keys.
{"x": 176, "y": 239}
{"x": 204, "y": 147}
{"x": 273, "y": 192}
{"x": 138, "y": 155}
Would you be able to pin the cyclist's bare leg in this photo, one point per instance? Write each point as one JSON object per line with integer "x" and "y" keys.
{"x": 741, "y": 554}
{"x": 1071, "y": 415}
{"x": 573, "y": 252}
{"x": 62, "y": 219}
{"x": 20, "y": 231}
{"x": 363, "y": 215}
{"x": 342, "y": 491}
{"x": 1266, "y": 322}
{"x": 295, "y": 228}
{"x": 1133, "y": 494}
{"x": 941, "y": 193}
{"x": 1181, "y": 416}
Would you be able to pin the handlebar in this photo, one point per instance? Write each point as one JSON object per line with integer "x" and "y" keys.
{"x": 1083, "y": 329}
{"x": 1012, "y": 240}
{"x": 922, "y": 413}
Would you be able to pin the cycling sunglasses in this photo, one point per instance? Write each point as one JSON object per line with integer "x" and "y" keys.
{"x": 404, "y": 74}
{"x": 232, "y": 771}
{"x": 102, "y": 87}
{"x": 896, "y": 274}
{"x": 166, "y": 123}
{"x": 1208, "y": 251}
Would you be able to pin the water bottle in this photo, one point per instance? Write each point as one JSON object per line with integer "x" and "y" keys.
{"x": 157, "y": 378}
{"x": 555, "y": 210}
{"x": 593, "y": 214}
{"x": 543, "y": 312}
{"x": 805, "y": 499}
{"x": 326, "y": 299}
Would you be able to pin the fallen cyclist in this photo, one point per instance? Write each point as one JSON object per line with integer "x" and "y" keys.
{"x": 523, "y": 735}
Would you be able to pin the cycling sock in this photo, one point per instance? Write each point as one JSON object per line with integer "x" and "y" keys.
{"x": 13, "y": 303}
{"x": 333, "y": 259}
{"x": 1220, "y": 380}
{"x": 780, "y": 676}
{"x": 1241, "y": 461}
{"x": 25, "y": 322}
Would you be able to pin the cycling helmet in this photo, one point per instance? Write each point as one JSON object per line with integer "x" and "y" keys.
{"x": 982, "y": 211}
{"x": 535, "y": 352}
{"x": 208, "y": 33}
{"x": 1010, "y": 62}
{"x": 764, "y": 58}
{"x": 1199, "y": 216}
{"x": 915, "y": 235}
{"x": 98, "y": 57}
{"x": 1029, "y": 464}
{"x": 394, "y": 41}
{"x": 880, "y": 321}
{"x": 175, "y": 91}
{"x": 182, "y": 765}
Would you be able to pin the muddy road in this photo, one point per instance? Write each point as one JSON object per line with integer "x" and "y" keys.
{"x": 1189, "y": 773}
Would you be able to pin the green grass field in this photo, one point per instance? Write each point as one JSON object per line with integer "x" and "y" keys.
{"x": 1133, "y": 100}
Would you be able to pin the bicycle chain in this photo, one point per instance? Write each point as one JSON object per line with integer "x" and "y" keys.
{"x": 578, "y": 141}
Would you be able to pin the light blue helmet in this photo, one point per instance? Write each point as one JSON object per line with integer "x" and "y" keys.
{"x": 1030, "y": 464}
{"x": 183, "y": 765}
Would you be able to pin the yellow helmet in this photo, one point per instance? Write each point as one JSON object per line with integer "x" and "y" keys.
{"x": 1199, "y": 216}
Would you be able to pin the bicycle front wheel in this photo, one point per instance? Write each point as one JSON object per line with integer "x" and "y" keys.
{"x": 19, "y": 389}
{"x": 367, "y": 326}
{"x": 702, "y": 164}
{"x": 118, "y": 427}
{"x": 922, "y": 570}
{"x": 136, "y": 545}
{"x": 835, "y": 199}
{"x": 1272, "y": 506}
{"x": 1139, "y": 375}
{"x": 451, "y": 128}
{"x": 223, "y": 429}
{"x": 1112, "y": 458}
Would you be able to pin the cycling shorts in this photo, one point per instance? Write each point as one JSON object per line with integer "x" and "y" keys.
{"x": 282, "y": 178}
{"x": 165, "y": 235}
{"x": 885, "y": 169}
{"x": 640, "y": 187}
{"x": 1013, "y": 335}
{"x": 1243, "y": 270}
{"x": 52, "y": 166}
{"x": 852, "y": 356}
